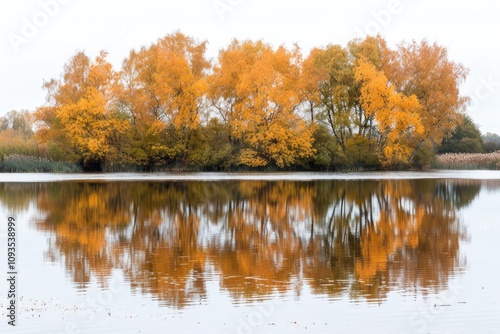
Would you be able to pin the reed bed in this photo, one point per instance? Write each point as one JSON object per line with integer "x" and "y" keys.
{"x": 468, "y": 161}
{"x": 16, "y": 145}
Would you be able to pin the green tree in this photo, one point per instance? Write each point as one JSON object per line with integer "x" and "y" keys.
{"x": 210, "y": 148}
{"x": 491, "y": 142}
{"x": 466, "y": 138}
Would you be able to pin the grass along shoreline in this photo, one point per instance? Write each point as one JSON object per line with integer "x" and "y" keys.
{"x": 468, "y": 161}
{"x": 19, "y": 163}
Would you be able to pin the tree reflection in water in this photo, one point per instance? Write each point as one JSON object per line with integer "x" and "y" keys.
{"x": 360, "y": 239}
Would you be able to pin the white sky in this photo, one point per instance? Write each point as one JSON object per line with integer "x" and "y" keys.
{"x": 469, "y": 29}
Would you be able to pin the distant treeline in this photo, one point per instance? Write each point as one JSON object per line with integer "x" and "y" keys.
{"x": 360, "y": 106}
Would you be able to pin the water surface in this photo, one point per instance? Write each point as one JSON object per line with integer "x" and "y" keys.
{"x": 255, "y": 253}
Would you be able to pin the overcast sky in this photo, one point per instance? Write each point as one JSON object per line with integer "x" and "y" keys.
{"x": 39, "y": 36}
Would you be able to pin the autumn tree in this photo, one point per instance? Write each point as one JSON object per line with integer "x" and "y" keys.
{"x": 396, "y": 115}
{"x": 255, "y": 90}
{"x": 81, "y": 117}
{"x": 424, "y": 70}
{"x": 333, "y": 95}
{"x": 164, "y": 87}
{"x": 418, "y": 94}
{"x": 327, "y": 81}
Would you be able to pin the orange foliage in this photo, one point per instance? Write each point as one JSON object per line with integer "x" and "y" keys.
{"x": 379, "y": 105}
{"x": 424, "y": 70}
{"x": 255, "y": 89}
{"x": 396, "y": 115}
{"x": 82, "y": 112}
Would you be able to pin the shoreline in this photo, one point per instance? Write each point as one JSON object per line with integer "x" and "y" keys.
{"x": 249, "y": 176}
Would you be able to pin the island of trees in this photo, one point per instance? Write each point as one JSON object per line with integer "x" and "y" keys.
{"x": 365, "y": 105}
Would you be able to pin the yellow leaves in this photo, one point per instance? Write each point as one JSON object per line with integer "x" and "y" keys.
{"x": 177, "y": 82}
{"x": 396, "y": 115}
{"x": 255, "y": 88}
{"x": 165, "y": 85}
{"x": 83, "y": 115}
{"x": 251, "y": 158}
{"x": 83, "y": 123}
{"x": 278, "y": 144}
{"x": 396, "y": 152}
{"x": 87, "y": 125}
{"x": 376, "y": 95}
{"x": 156, "y": 128}
{"x": 101, "y": 75}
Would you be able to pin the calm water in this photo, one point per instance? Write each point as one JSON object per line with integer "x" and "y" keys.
{"x": 272, "y": 253}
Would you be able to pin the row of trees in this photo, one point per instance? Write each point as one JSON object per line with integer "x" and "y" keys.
{"x": 364, "y": 104}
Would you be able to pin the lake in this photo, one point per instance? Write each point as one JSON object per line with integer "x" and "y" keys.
{"x": 398, "y": 252}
